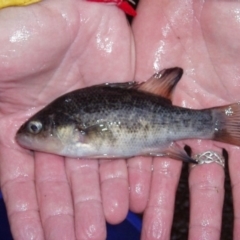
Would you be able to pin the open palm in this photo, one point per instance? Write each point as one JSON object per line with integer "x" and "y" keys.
{"x": 49, "y": 49}
{"x": 203, "y": 39}
{"x": 54, "y": 47}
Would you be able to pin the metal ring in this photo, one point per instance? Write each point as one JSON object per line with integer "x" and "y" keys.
{"x": 209, "y": 157}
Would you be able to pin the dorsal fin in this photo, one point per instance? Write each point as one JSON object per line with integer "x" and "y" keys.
{"x": 163, "y": 82}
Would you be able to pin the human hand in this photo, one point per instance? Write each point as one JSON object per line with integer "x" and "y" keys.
{"x": 203, "y": 39}
{"x": 49, "y": 49}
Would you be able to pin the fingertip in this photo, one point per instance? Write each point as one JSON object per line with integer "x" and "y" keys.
{"x": 139, "y": 175}
{"x": 115, "y": 200}
{"x": 115, "y": 190}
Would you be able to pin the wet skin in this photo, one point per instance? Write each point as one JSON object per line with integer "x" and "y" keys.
{"x": 85, "y": 44}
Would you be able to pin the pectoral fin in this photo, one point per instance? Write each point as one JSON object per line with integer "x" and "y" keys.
{"x": 100, "y": 131}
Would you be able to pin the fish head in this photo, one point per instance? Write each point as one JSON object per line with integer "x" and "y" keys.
{"x": 55, "y": 132}
{"x": 38, "y": 133}
{"x": 48, "y": 132}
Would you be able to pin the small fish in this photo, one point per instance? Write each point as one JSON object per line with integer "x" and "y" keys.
{"x": 121, "y": 120}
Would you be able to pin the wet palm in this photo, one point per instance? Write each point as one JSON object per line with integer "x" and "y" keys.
{"x": 48, "y": 49}
{"x": 54, "y": 47}
{"x": 202, "y": 38}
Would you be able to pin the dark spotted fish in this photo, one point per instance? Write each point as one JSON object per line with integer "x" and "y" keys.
{"x": 121, "y": 120}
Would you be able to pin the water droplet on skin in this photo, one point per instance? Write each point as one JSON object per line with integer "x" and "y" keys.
{"x": 104, "y": 44}
{"x": 158, "y": 56}
{"x": 20, "y": 35}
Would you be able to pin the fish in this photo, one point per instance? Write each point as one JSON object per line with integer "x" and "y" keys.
{"x": 123, "y": 120}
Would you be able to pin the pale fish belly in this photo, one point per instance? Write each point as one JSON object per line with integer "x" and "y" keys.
{"x": 150, "y": 134}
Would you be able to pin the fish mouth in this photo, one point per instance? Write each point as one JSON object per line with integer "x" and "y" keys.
{"x": 24, "y": 141}
{"x": 49, "y": 145}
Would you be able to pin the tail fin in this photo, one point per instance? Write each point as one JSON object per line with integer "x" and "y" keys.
{"x": 227, "y": 128}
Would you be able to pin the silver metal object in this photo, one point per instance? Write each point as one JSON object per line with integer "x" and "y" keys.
{"x": 209, "y": 157}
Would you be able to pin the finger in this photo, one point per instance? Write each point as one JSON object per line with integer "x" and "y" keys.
{"x": 234, "y": 166}
{"x": 139, "y": 175}
{"x": 89, "y": 216}
{"x": 158, "y": 214}
{"x": 206, "y": 183}
{"x": 18, "y": 188}
{"x": 115, "y": 190}
{"x": 54, "y": 197}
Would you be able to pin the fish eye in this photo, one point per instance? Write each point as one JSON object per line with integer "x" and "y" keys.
{"x": 34, "y": 127}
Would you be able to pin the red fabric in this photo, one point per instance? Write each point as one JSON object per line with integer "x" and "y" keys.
{"x": 124, "y": 5}
{"x": 127, "y": 8}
